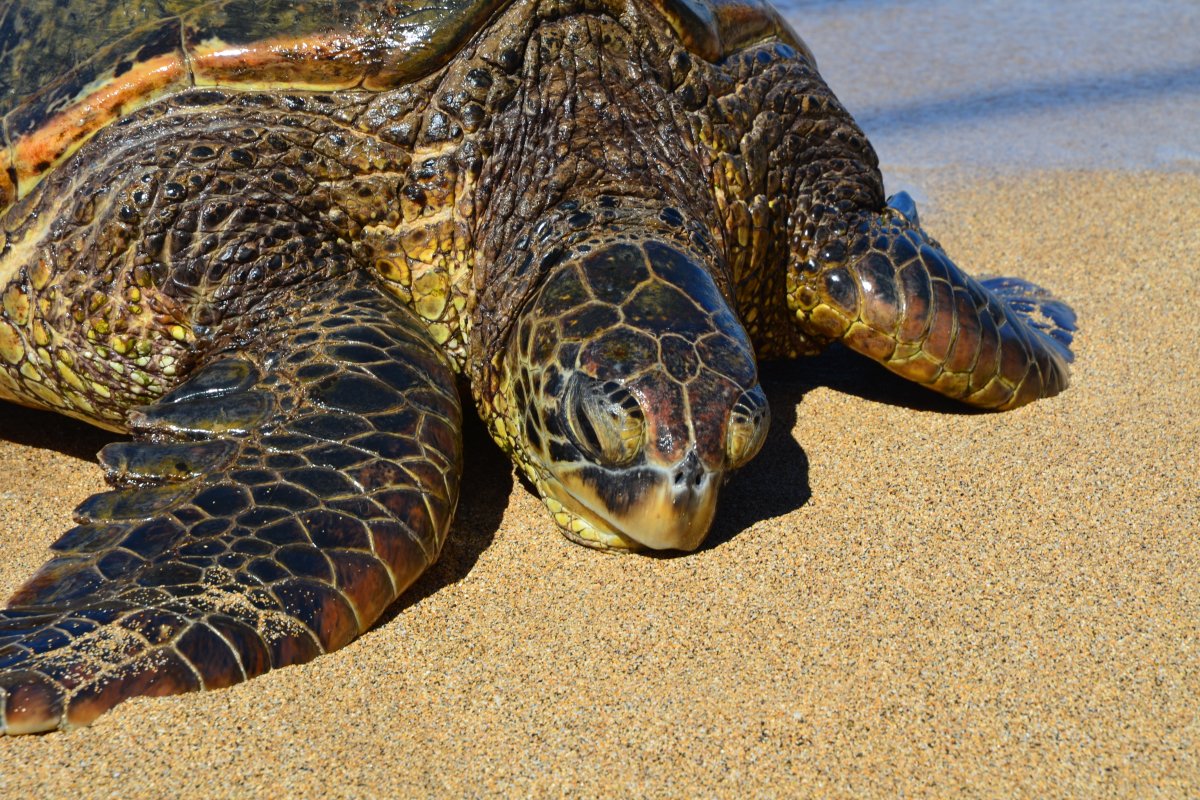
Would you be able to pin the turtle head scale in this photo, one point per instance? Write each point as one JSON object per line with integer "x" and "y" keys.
{"x": 632, "y": 392}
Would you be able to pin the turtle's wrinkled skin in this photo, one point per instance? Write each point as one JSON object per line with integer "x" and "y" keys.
{"x": 264, "y": 237}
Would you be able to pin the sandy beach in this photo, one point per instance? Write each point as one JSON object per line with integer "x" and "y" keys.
{"x": 900, "y": 598}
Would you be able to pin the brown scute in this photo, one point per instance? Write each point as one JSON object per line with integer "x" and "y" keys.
{"x": 157, "y": 673}
{"x": 323, "y": 63}
{"x": 322, "y": 608}
{"x": 293, "y": 647}
{"x": 63, "y": 133}
{"x": 33, "y": 704}
{"x": 695, "y": 25}
{"x": 365, "y": 583}
{"x": 252, "y": 654}
{"x": 713, "y": 29}
{"x": 210, "y": 656}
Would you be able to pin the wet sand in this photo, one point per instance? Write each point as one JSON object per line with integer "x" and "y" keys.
{"x": 899, "y": 598}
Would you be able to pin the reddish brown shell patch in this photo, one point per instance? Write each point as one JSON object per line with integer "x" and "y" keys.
{"x": 321, "y": 45}
{"x": 56, "y": 121}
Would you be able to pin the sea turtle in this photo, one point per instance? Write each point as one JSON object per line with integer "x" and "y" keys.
{"x": 267, "y": 237}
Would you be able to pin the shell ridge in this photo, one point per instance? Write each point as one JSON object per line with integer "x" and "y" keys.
{"x": 329, "y": 46}
{"x": 188, "y": 64}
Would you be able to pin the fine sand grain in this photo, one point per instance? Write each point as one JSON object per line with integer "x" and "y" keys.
{"x": 900, "y": 598}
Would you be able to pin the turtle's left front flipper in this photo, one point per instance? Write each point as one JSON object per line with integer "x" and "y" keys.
{"x": 268, "y": 510}
{"x": 886, "y": 289}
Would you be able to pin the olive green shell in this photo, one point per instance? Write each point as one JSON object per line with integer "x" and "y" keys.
{"x": 70, "y": 67}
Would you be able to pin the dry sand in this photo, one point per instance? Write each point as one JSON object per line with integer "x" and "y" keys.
{"x": 899, "y": 599}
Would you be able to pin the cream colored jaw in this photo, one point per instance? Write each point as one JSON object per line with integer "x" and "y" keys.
{"x": 667, "y": 517}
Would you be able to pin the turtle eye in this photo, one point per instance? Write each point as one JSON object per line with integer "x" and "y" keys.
{"x": 748, "y": 423}
{"x": 604, "y": 421}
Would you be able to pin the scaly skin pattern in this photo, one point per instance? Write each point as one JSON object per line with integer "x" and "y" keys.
{"x": 629, "y": 387}
{"x": 270, "y": 508}
{"x": 894, "y": 295}
{"x": 180, "y": 230}
{"x": 271, "y": 289}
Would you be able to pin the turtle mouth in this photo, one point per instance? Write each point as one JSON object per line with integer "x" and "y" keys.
{"x": 650, "y": 506}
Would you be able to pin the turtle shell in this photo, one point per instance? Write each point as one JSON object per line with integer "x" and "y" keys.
{"x": 713, "y": 29}
{"x": 69, "y": 68}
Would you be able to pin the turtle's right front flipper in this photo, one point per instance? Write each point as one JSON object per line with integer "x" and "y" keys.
{"x": 886, "y": 289}
{"x": 268, "y": 510}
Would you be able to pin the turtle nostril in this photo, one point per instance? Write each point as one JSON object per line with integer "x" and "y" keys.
{"x": 748, "y": 423}
{"x": 690, "y": 473}
{"x": 683, "y": 478}
{"x": 604, "y": 420}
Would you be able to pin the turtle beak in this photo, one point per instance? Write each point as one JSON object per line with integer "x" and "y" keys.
{"x": 659, "y": 507}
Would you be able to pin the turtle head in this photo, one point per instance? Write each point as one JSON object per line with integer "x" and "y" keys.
{"x": 633, "y": 391}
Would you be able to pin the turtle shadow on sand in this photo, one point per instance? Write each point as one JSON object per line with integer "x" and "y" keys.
{"x": 775, "y": 483}
{"x": 842, "y": 370}
{"x": 46, "y": 430}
